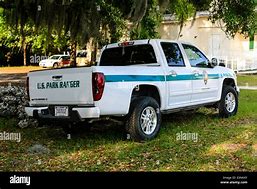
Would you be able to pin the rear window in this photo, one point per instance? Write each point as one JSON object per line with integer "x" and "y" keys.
{"x": 128, "y": 55}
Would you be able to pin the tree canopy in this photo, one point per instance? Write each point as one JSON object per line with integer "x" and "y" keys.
{"x": 237, "y": 15}
{"x": 83, "y": 19}
{"x": 105, "y": 21}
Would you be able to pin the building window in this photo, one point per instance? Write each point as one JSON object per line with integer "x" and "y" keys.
{"x": 251, "y": 42}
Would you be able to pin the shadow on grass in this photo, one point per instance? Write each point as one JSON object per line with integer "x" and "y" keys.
{"x": 102, "y": 132}
{"x": 108, "y": 130}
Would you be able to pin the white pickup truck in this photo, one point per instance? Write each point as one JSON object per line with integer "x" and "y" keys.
{"x": 138, "y": 81}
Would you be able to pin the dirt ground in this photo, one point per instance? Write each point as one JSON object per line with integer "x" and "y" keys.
{"x": 20, "y": 69}
{"x": 15, "y": 75}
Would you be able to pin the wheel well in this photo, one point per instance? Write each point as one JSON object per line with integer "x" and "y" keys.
{"x": 146, "y": 90}
{"x": 229, "y": 81}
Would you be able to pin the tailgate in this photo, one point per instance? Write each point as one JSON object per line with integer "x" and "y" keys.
{"x": 61, "y": 86}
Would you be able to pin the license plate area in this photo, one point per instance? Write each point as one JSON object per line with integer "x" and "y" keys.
{"x": 61, "y": 111}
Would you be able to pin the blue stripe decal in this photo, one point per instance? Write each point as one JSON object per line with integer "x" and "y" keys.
{"x": 227, "y": 75}
{"x": 214, "y": 76}
{"x": 133, "y": 78}
{"x": 179, "y": 77}
{"x": 210, "y": 76}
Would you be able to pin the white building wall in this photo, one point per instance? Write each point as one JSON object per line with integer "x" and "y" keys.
{"x": 210, "y": 38}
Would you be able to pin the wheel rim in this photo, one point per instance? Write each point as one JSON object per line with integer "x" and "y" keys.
{"x": 55, "y": 65}
{"x": 230, "y": 102}
{"x": 148, "y": 120}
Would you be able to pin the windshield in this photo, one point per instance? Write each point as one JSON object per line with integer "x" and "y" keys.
{"x": 54, "y": 57}
{"x": 128, "y": 55}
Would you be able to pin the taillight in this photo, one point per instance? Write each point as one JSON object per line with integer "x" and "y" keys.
{"x": 27, "y": 88}
{"x": 98, "y": 85}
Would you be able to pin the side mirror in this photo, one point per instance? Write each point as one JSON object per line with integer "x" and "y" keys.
{"x": 214, "y": 62}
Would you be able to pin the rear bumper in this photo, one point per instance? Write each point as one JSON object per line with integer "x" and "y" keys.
{"x": 75, "y": 113}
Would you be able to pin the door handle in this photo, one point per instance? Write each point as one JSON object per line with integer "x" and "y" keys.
{"x": 57, "y": 77}
{"x": 196, "y": 73}
{"x": 173, "y": 73}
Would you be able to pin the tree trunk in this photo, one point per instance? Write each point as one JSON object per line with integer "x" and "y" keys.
{"x": 73, "y": 54}
{"x": 94, "y": 53}
{"x": 24, "y": 47}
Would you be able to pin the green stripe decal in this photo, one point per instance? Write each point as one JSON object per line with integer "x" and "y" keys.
{"x": 134, "y": 78}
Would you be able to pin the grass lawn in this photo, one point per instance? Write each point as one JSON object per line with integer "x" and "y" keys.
{"x": 244, "y": 80}
{"x": 223, "y": 145}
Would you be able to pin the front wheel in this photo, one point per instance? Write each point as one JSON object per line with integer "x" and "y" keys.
{"x": 144, "y": 120}
{"x": 228, "y": 104}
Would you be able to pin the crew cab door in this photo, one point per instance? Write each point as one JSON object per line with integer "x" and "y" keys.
{"x": 178, "y": 76}
{"x": 205, "y": 80}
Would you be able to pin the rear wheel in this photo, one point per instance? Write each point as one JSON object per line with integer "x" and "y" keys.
{"x": 144, "y": 120}
{"x": 228, "y": 104}
{"x": 55, "y": 65}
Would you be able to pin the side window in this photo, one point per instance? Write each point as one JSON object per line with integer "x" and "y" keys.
{"x": 173, "y": 54}
{"x": 195, "y": 56}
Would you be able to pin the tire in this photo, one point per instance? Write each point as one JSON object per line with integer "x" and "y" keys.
{"x": 228, "y": 104}
{"x": 144, "y": 120}
{"x": 55, "y": 65}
